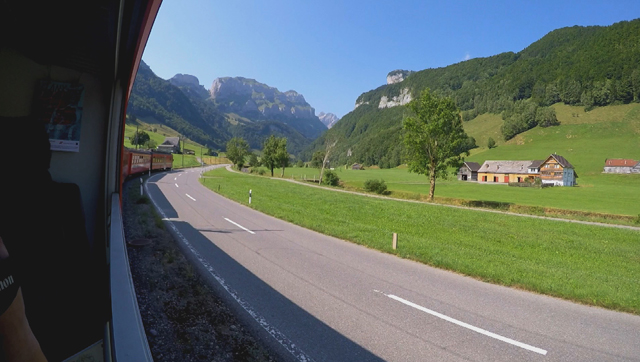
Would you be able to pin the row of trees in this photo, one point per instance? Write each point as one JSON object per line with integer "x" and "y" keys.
{"x": 274, "y": 153}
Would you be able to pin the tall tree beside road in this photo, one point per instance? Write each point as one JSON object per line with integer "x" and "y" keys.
{"x": 269, "y": 151}
{"x": 433, "y": 137}
{"x": 282, "y": 156}
{"x": 237, "y": 149}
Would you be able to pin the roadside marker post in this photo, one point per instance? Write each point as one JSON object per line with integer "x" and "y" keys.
{"x": 141, "y": 189}
{"x": 249, "y": 197}
{"x": 395, "y": 241}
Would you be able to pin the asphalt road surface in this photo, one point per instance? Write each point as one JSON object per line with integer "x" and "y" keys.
{"x": 314, "y": 297}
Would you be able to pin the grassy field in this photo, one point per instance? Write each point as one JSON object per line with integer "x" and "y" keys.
{"x": 586, "y": 139}
{"x": 590, "y": 264}
{"x": 158, "y": 137}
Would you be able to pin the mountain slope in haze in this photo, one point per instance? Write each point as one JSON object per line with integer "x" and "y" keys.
{"x": 253, "y": 100}
{"x": 184, "y": 105}
{"x": 589, "y": 67}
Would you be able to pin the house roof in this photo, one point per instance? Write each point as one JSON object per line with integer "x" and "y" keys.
{"x": 561, "y": 160}
{"x": 473, "y": 166}
{"x": 536, "y": 163}
{"x": 620, "y": 162}
{"x": 173, "y": 141}
{"x": 505, "y": 166}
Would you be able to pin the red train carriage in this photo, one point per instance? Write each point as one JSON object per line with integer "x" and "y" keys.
{"x": 161, "y": 161}
{"x": 137, "y": 162}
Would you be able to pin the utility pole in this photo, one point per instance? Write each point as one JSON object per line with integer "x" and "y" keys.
{"x": 135, "y": 137}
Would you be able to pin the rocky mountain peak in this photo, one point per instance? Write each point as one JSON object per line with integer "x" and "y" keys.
{"x": 190, "y": 83}
{"x": 328, "y": 119}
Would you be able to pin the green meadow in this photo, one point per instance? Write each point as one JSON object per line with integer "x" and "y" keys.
{"x": 586, "y": 139}
{"x": 590, "y": 264}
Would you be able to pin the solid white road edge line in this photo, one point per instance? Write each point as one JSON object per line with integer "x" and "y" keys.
{"x": 466, "y": 325}
{"x": 240, "y": 226}
{"x": 276, "y": 334}
{"x": 189, "y": 196}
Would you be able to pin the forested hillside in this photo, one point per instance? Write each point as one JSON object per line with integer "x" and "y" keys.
{"x": 581, "y": 66}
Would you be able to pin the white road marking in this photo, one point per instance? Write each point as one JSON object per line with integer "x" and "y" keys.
{"x": 189, "y": 196}
{"x": 240, "y": 226}
{"x": 176, "y": 185}
{"x": 466, "y": 325}
{"x": 276, "y": 334}
{"x": 175, "y": 178}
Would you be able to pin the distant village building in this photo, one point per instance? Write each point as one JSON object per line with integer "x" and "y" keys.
{"x": 558, "y": 171}
{"x": 621, "y": 165}
{"x": 554, "y": 170}
{"x": 469, "y": 171}
{"x": 505, "y": 171}
{"x": 534, "y": 167}
{"x": 170, "y": 145}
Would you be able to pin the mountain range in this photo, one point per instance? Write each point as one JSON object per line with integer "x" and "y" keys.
{"x": 232, "y": 107}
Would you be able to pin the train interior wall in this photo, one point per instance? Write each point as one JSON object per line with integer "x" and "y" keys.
{"x": 19, "y": 77}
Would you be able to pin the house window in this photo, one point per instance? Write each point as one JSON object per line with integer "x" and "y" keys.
{"x": 484, "y": 178}
{"x": 495, "y": 178}
{"x": 519, "y": 179}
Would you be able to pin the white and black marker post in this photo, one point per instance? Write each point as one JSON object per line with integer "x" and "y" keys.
{"x": 249, "y": 197}
{"x": 141, "y": 189}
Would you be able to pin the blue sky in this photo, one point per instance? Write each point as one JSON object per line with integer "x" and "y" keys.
{"x": 332, "y": 51}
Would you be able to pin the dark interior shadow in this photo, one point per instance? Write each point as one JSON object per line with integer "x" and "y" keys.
{"x": 496, "y": 205}
{"x": 314, "y": 337}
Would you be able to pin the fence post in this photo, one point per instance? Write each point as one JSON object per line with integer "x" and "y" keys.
{"x": 395, "y": 241}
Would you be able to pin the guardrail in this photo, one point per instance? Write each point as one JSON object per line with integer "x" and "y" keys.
{"x": 128, "y": 341}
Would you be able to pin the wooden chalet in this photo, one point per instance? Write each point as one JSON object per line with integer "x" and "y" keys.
{"x": 558, "y": 171}
{"x": 469, "y": 171}
{"x": 621, "y": 165}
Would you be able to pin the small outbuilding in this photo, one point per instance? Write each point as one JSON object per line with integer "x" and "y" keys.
{"x": 621, "y": 165}
{"x": 356, "y": 166}
{"x": 170, "y": 145}
{"x": 469, "y": 171}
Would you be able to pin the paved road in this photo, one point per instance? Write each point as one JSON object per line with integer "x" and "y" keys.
{"x": 319, "y": 298}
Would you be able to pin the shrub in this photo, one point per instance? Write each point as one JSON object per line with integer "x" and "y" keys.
{"x": 330, "y": 178}
{"x": 491, "y": 143}
{"x": 377, "y": 186}
{"x": 261, "y": 172}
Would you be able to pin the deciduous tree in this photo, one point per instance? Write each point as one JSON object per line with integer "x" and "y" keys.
{"x": 269, "y": 150}
{"x": 237, "y": 149}
{"x": 433, "y": 137}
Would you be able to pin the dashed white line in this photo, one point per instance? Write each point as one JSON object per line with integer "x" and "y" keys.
{"x": 280, "y": 337}
{"x": 240, "y": 226}
{"x": 175, "y": 178}
{"x": 176, "y": 185}
{"x": 466, "y": 325}
{"x": 189, "y": 196}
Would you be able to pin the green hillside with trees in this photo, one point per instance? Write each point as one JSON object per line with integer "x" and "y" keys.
{"x": 587, "y": 67}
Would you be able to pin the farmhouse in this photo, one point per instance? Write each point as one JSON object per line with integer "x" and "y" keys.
{"x": 558, "y": 171}
{"x": 620, "y": 165}
{"x": 469, "y": 171}
{"x": 170, "y": 145}
{"x": 506, "y": 171}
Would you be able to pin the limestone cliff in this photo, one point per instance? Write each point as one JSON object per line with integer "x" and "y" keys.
{"x": 398, "y": 75}
{"x": 257, "y": 101}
